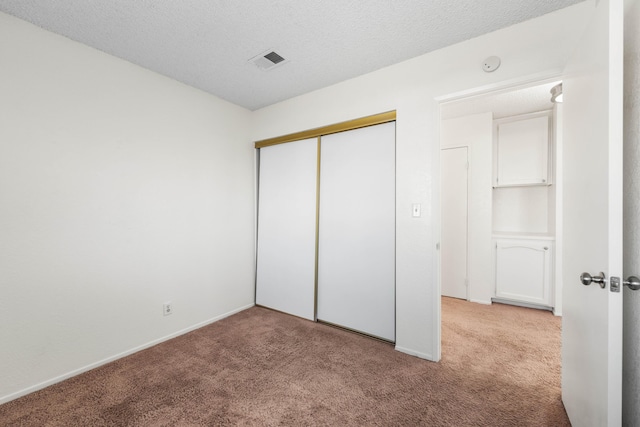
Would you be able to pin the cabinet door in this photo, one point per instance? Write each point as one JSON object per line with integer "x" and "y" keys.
{"x": 522, "y": 152}
{"x": 523, "y": 270}
{"x": 285, "y": 276}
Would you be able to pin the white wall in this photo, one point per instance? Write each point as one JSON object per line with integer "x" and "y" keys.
{"x": 476, "y": 132}
{"x": 631, "y": 320}
{"x": 529, "y": 51}
{"x": 557, "y": 224}
{"x": 120, "y": 189}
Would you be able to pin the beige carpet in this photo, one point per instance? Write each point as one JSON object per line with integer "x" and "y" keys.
{"x": 500, "y": 367}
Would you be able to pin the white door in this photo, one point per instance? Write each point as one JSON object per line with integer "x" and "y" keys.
{"x": 592, "y": 317}
{"x": 285, "y": 276}
{"x": 454, "y": 233}
{"x": 356, "y": 254}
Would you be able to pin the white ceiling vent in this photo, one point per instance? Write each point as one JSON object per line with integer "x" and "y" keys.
{"x": 268, "y": 60}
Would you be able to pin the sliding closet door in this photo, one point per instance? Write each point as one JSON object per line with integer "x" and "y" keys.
{"x": 287, "y": 228}
{"x": 356, "y": 258}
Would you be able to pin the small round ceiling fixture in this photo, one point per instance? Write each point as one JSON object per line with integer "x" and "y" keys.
{"x": 491, "y": 64}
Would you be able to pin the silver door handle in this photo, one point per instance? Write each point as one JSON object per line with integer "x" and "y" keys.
{"x": 632, "y": 283}
{"x": 600, "y": 279}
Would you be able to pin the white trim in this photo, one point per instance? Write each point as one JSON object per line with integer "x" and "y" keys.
{"x": 477, "y": 301}
{"x": 416, "y": 353}
{"x": 524, "y": 304}
{"x": 436, "y": 226}
{"x": 504, "y": 86}
{"x": 60, "y": 378}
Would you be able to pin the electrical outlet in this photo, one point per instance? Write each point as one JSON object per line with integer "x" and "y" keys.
{"x": 167, "y": 308}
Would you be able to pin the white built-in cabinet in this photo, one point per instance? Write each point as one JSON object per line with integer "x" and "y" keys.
{"x": 326, "y": 229}
{"x": 522, "y": 150}
{"x": 523, "y": 214}
{"x": 524, "y": 270}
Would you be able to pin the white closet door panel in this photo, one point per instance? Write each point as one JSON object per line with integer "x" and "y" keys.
{"x": 356, "y": 259}
{"x": 287, "y": 228}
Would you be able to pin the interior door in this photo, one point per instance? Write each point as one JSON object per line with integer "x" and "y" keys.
{"x": 454, "y": 233}
{"x": 592, "y": 316}
{"x": 356, "y": 253}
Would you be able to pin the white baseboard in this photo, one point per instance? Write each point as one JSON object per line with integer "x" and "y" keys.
{"x": 522, "y": 304}
{"x": 60, "y": 378}
{"x": 477, "y": 301}
{"x": 416, "y": 353}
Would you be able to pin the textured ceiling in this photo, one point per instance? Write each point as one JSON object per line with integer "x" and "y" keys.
{"x": 207, "y": 43}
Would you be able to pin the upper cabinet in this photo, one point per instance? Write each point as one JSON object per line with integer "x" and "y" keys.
{"x": 521, "y": 150}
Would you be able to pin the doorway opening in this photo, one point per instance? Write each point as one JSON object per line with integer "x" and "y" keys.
{"x": 501, "y": 231}
{"x": 500, "y": 192}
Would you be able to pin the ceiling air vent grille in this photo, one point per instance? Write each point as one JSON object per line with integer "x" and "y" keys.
{"x": 268, "y": 60}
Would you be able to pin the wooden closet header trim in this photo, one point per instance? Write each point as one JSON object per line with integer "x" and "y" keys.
{"x": 376, "y": 119}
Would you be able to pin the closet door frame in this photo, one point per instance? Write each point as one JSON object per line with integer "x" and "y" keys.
{"x": 376, "y": 119}
{"x": 318, "y": 133}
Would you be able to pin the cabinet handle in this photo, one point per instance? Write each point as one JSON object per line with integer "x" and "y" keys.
{"x": 546, "y": 248}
